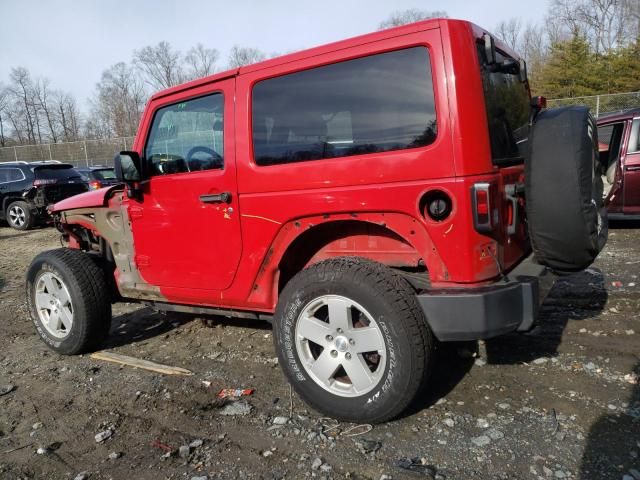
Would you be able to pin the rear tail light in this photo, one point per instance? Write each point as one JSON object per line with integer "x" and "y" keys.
{"x": 94, "y": 185}
{"x": 482, "y": 208}
{"x": 539, "y": 102}
{"x": 44, "y": 181}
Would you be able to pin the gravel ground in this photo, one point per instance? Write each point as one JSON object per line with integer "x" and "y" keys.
{"x": 560, "y": 402}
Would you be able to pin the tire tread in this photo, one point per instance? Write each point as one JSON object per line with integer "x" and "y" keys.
{"x": 401, "y": 297}
{"x": 96, "y": 303}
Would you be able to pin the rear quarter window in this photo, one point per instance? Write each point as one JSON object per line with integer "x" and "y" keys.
{"x": 366, "y": 105}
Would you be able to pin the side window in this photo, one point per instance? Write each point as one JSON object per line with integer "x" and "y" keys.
{"x": 604, "y": 134}
{"x": 371, "y": 104}
{"x": 634, "y": 140}
{"x": 11, "y": 175}
{"x": 186, "y": 137}
{"x": 610, "y": 138}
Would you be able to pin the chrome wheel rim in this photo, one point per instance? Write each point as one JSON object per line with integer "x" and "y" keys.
{"x": 17, "y": 216}
{"x": 53, "y": 304}
{"x": 340, "y": 346}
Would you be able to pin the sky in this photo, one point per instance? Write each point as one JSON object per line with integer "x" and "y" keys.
{"x": 71, "y": 42}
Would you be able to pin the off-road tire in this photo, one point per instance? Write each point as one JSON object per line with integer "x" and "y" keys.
{"x": 89, "y": 294}
{"x": 392, "y": 303}
{"x": 29, "y": 220}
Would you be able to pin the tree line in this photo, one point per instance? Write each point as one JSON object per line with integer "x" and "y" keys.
{"x": 33, "y": 112}
{"x": 582, "y": 47}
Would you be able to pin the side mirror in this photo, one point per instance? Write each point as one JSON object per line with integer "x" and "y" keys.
{"x": 489, "y": 49}
{"x": 127, "y": 167}
{"x": 523, "y": 71}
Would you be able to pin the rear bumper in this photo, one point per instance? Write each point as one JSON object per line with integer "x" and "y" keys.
{"x": 509, "y": 305}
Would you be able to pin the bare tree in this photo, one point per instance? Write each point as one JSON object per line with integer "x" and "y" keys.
{"x": 161, "y": 64}
{"x": 68, "y": 116}
{"x": 239, "y": 56}
{"x": 35, "y": 108}
{"x": 45, "y": 106}
{"x": 36, "y": 113}
{"x": 117, "y": 104}
{"x": 633, "y": 9}
{"x": 402, "y": 17}
{"x": 201, "y": 61}
{"x": 19, "y": 130}
{"x": 533, "y": 46}
{"x": 531, "y": 41}
{"x": 4, "y": 104}
{"x": 22, "y": 115}
{"x": 605, "y": 23}
{"x": 510, "y": 31}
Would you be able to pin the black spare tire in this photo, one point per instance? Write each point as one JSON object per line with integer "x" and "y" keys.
{"x": 566, "y": 218}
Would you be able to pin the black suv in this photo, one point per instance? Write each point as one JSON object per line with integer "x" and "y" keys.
{"x": 27, "y": 188}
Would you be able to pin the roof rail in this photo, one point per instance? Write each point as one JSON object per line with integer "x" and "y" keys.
{"x": 44, "y": 161}
{"x": 15, "y": 162}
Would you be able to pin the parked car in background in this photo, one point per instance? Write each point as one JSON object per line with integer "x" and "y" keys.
{"x": 27, "y": 188}
{"x": 98, "y": 176}
{"x": 619, "y": 145}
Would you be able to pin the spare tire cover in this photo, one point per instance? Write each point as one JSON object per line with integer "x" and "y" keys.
{"x": 566, "y": 218}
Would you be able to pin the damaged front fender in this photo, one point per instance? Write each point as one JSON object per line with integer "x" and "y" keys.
{"x": 91, "y": 199}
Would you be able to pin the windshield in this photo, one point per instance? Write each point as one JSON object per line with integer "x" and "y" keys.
{"x": 61, "y": 172}
{"x": 106, "y": 174}
{"x": 507, "y": 102}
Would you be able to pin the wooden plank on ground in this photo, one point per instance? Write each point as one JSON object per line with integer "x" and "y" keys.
{"x": 138, "y": 363}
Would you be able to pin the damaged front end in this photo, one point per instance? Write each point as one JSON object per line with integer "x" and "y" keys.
{"x": 79, "y": 230}
{"x": 97, "y": 222}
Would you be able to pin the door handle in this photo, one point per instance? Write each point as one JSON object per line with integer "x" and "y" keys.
{"x": 224, "y": 197}
{"x": 633, "y": 168}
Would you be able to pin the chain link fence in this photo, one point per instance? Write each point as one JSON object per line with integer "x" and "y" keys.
{"x": 601, "y": 104}
{"x": 82, "y": 153}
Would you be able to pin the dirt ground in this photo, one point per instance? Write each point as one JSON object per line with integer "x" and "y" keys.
{"x": 560, "y": 402}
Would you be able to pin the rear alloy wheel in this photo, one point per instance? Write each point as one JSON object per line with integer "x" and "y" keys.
{"x": 19, "y": 216}
{"x": 341, "y": 346}
{"x": 68, "y": 299}
{"x": 352, "y": 339}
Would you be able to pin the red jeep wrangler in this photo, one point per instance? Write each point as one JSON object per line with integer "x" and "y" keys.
{"x": 369, "y": 197}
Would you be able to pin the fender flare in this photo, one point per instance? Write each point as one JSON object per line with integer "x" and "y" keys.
{"x": 405, "y": 227}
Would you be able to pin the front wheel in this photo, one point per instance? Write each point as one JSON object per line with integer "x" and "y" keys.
{"x": 352, "y": 340}
{"x": 68, "y": 300}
